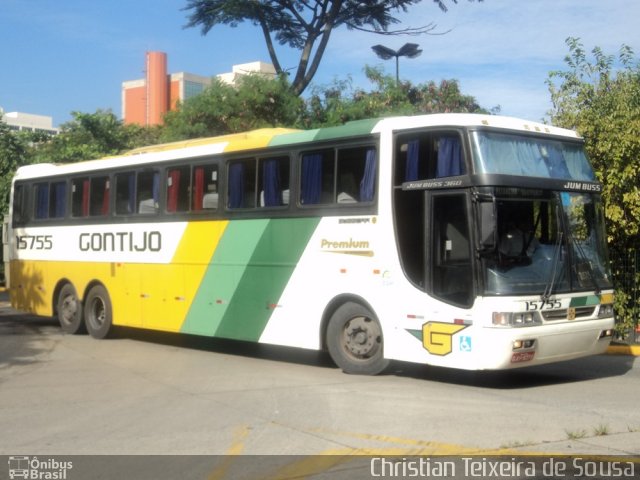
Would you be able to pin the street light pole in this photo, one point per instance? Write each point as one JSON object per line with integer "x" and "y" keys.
{"x": 409, "y": 50}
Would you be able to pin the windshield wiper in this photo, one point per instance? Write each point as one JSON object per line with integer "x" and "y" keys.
{"x": 548, "y": 289}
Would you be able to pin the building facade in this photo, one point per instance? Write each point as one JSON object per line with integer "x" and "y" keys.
{"x": 28, "y": 122}
{"x": 145, "y": 101}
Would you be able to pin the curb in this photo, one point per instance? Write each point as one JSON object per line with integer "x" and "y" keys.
{"x": 633, "y": 350}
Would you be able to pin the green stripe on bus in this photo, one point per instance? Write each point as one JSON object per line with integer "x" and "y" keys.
{"x": 295, "y": 137}
{"x": 246, "y": 278}
{"x": 584, "y": 301}
{"x": 355, "y": 128}
{"x": 223, "y": 275}
{"x": 351, "y": 129}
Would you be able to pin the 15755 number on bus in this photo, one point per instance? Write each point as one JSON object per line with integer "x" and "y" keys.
{"x": 34, "y": 242}
{"x": 543, "y": 305}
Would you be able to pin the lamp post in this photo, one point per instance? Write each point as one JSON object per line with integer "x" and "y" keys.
{"x": 409, "y": 50}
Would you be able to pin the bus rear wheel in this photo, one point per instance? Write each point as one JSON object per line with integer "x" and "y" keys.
{"x": 98, "y": 314}
{"x": 354, "y": 340}
{"x": 69, "y": 310}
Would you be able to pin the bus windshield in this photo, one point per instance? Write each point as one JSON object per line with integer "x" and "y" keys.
{"x": 552, "y": 243}
{"x": 510, "y": 154}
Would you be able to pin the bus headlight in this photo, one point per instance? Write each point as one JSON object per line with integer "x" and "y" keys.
{"x": 516, "y": 319}
{"x": 606, "y": 310}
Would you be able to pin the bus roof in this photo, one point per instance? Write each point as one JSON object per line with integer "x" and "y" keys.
{"x": 272, "y": 137}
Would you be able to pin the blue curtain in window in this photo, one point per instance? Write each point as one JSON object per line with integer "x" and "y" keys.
{"x": 556, "y": 163}
{"x": 236, "y": 185}
{"x": 61, "y": 200}
{"x": 367, "y": 184}
{"x": 413, "y": 158}
{"x": 156, "y": 188}
{"x": 449, "y": 157}
{"x": 271, "y": 183}
{"x": 311, "y": 182}
{"x": 42, "y": 201}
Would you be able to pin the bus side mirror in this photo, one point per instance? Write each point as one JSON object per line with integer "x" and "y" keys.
{"x": 486, "y": 226}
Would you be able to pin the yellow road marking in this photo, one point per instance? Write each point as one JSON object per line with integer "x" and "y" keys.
{"x": 236, "y": 448}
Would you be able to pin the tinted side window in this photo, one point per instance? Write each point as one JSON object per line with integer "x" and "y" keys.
{"x": 137, "y": 192}
{"x": 125, "y": 193}
{"x": 99, "y": 197}
{"x": 57, "y": 200}
{"x": 241, "y": 184}
{"x": 426, "y": 155}
{"x": 340, "y": 176}
{"x": 41, "y": 201}
{"x": 20, "y": 204}
{"x": 273, "y": 181}
{"x": 178, "y": 186}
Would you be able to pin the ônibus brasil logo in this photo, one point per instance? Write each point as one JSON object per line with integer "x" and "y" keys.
{"x": 38, "y": 469}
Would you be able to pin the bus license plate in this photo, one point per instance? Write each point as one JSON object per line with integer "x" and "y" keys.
{"x": 522, "y": 357}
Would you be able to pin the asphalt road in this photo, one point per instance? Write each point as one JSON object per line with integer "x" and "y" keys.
{"x": 148, "y": 393}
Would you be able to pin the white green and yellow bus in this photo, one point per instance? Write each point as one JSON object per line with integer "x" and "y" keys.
{"x": 457, "y": 240}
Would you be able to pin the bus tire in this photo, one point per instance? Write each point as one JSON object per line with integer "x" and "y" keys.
{"x": 98, "y": 314}
{"x": 354, "y": 340}
{"x": 69, "y": 310}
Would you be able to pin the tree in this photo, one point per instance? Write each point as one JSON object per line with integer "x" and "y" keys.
{"x": 601, "y": 100}
{"x": 304, "y": 26}
{"x": 255, "y": 102}
{"x": 14, "y": 152}
{"x": 93, "y": 135}
{"x": 340, "y": 103}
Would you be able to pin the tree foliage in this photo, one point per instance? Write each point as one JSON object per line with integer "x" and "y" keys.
{"x": 304, "y": 26}
{"x": 255, "y": 102}
{"x": 340, "y": 102}
{"x": 14, "y": 152}
{"x": 92, "y": 135}
{"x": 600, "y": 98}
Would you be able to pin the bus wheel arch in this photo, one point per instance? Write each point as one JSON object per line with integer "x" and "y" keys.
{"x": 98, "y": 311}
{"x": 352, "y": 334}
{"x": 67, "y": 308}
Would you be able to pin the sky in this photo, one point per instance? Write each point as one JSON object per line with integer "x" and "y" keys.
{"x": 61, "y": 56}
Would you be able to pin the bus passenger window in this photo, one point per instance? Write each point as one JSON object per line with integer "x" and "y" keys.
{"x": 242, "y": 184}
{"x": 428, "y": 155}
{"x": 125, "y": 193}
{"x": 58, "y": 200}
{"x": 342, "y": 176}
{"x": 317, "y": 177}
{"x": 41, "y": 200}
{"x": 148, "y": 190}
{"x": 178, "y": 189}
{"x": 19, "y": 205}
{"x": 205, "y": 188}
{"x": 356, "y": 175}
{"x": 99, "y": 196}
{"x": 274, "y": 181}
{"x": 80, "y": 197}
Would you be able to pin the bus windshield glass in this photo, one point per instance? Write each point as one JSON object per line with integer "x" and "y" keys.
{"x": 510, "y": 154}
{"x": 551, "y": 243}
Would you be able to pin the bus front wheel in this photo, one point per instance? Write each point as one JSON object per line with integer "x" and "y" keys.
{"x": 98, "y": 314}
{"x": 354, "y": 340}
{"x": 69, "y": 310}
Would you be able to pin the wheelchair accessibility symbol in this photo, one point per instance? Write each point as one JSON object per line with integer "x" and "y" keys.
{"x": 465, "y": 343}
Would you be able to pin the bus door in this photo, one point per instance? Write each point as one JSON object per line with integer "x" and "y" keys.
{"x": 449, "y": 269}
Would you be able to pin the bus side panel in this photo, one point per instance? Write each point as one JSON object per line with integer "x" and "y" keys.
{"x": 250, "y": 268}
{"x": 347, "y": 257}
